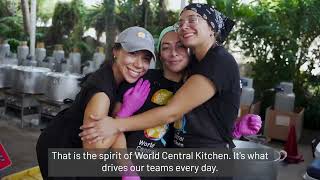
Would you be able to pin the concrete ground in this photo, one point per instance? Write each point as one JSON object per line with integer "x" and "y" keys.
{"x": 20, "y": 144}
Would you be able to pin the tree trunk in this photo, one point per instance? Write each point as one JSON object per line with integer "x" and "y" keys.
{"x": 33, "y": 18}
{"x": 162, "y": 12}
{"x": 145, "y": 5}
{"x": 110, "y": 27}
{"x": 26, "y": 15}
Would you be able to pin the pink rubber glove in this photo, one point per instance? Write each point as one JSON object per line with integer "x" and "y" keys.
{"x": 249, "y": 124}
{"x": 134, "y": 98}
{"x": 130, "y": 177}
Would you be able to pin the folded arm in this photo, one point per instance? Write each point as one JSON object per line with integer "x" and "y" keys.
{"x": 196, "y": 91}
{"x": 99, "y": 106}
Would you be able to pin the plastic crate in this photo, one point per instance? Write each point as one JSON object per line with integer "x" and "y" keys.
{"x": 28, "y": 174}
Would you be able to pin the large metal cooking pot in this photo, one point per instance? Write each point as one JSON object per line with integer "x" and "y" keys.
{"x": 28, "y": 79}
{"x": 6, "y": 75}
{"x": 257, "y": 168}
{"x": 61, "y": 86}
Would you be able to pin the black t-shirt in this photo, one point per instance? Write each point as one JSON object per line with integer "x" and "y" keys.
{"x": 63, "y": 130}
{"x": 210, "y": 124}
{"x": 161, "y": 91}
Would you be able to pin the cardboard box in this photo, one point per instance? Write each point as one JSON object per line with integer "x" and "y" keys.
{"x": 277, "y": 123}
{"x": 245, "y": 109}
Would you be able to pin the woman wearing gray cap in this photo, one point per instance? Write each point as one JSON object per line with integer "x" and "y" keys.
{"x": 133, "y": 51}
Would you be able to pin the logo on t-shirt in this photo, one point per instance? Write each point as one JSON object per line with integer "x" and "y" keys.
{"x": 179, "y": 131}
{"x": 4, "y": 158}
{"x": 180, "y": 125}
{"x": 161, "y": 97}
{"x": 157, "y": 133}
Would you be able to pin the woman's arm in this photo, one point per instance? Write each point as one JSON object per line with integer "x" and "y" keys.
{"x": 99, "y": 106}
{"x": 197, "y": 90}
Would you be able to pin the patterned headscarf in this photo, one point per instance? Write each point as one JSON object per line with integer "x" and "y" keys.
{"x": 219, "y": 22}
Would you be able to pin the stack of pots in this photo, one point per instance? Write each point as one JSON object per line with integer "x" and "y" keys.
{"x": 6, "y": 75}
{"x": 28, "y": 79}
{"x": 61, "y": 86}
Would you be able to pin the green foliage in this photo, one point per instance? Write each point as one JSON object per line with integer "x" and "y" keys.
{"x": 67, "y": 22}
{"x": 131, "y": 13}
{"x": 106, "y": 17}
{"x": 312, "y": 111}
{"x": 170, "y": 18}
{"x": 11, "y": 27}
{"x": 14, "y": 43}
{"x": 68, "y": 26}
{"x": 95, "y": 18}
{"x": 11, "y": 24}
{"x": 278, "y": 35}
{"x": 45, "y": 10}
{"x": 7, "y": 8}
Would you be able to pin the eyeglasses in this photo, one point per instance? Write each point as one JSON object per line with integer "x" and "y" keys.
{"x": 191, "y": 20}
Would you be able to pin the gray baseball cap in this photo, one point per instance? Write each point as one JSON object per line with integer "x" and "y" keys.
{"x": 136, "y": 39}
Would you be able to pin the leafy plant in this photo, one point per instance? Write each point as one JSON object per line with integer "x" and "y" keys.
{"x": 278, "y": 35}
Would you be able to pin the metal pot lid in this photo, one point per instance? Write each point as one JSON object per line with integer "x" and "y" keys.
{"x": 32, "y": 69}
{"x": 249, "y": 145}
{"x": 63, "y": 75}
{"x": 281, "y": 154}
{"x": 8, "y": 65}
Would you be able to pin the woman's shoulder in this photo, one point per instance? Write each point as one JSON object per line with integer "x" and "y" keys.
{"x": 220, "y": 53}
{"x": 101, "y": 80}
{"x": 102, "y": 76}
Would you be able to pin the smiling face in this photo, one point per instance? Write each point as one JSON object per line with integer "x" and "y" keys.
{"x": 193, "y": 30}
{"x": 173, "y": 54}
{"x": 132, "y": 65}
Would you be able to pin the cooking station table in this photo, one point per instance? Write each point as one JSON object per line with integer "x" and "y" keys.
{"x": 26, "y": 105}
{"x": 50, "y": 108}
{"x": 2, "y": 100}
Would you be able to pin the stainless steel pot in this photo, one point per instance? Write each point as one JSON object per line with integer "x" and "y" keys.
{"x": 256, "y": 169}
{"x": 61, "y": 86}
{"x": 29, "y": 79}
{"x": 6, "y": 75}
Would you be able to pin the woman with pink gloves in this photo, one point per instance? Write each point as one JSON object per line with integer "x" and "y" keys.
{"x": 133, "y": 51}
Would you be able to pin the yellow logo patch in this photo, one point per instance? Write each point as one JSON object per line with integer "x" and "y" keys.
{"x": 141, "y": 35}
